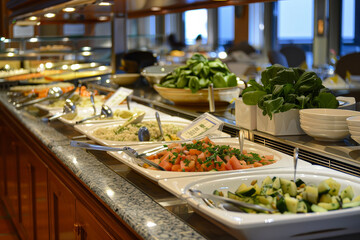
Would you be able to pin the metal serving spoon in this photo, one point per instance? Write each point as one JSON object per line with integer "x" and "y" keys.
{"x": 296, "y": 155}
{"x": 157, "y": 116}
{"x": 143, "y": 134}
{"x": 92, "y": 100}
{"x": 68, "y": 109}
{"x": 106, "y": 112}
{"x": 241, "y": 140}
{"x": 199, "y": 194}
{"x": 54, "y": 92}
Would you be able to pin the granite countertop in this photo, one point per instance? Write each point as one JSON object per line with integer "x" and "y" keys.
{"x": 139, "y": 211}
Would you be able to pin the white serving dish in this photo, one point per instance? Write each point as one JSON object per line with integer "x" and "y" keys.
{"x": 245, "y": 115}
{"x": 153, "y": 74}
{"x": 281, "y": 124}
{"x": 276, "y": 226}
{"x": 328, "y": 114}
{"x": 348, "y": 103}
{"x": 124, "y": 78}
{"x": 353, "y": 121}
{"x": 87, "y": 112}
{"x": 89, "y": 129}
{"x": 356, "y": 139}
{"x": 326, "y": 135}
{"x": 325, "y": 126}
{"x": 354, "y": 128}
{"x": 156, "y": 175}
{"x": 323, "y": 121}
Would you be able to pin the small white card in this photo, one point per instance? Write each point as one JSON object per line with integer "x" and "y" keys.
{"x": 201, "y": 126}
{"x": 118, "y": 97}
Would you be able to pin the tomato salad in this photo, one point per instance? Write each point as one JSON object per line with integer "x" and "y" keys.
{"x": 204, "y": 155}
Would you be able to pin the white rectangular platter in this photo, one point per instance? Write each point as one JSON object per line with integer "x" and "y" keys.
{"x": 271, "y": 226}
{"x": 156, "y": 175}
{"x": 87, "y": 112}
{"x": 89, "y": 129}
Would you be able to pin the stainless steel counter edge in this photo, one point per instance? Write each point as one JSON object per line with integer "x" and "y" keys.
{"x": 139, "y": 211}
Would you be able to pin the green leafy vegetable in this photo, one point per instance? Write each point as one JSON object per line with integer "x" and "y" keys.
{"x": 199, "y": 72}
{"x": 284, "y": 88}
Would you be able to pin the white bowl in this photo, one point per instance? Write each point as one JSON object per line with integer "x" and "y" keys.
{"x": 325, "y": 126}
{"x": 354, "y": 128}
{"x": 353, "y": 121}
{"x": 276, "y": 226}
{"x": 328, "y": 114}
{"x": 356, "y": 138}
{"x": 326, "y": 135}
{"x": 322, "y": 121}
{"x": 153, "y": 74}
{"x": 355, "y": 134}
{"x": 124, "y": 78}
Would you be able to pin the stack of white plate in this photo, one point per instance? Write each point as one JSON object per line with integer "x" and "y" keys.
{"x": 325, "y": 124}
{"x": 354, "y": 127}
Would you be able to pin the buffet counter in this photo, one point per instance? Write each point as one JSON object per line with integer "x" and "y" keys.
{"x": 89, "y": 193}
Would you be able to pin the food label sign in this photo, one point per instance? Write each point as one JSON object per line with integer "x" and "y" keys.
{"x": 201, "y": 126}
{"x": 118, "y": 97}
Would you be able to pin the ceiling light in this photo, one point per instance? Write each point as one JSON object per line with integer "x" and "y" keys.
{"x": 33, "y": 18}
{"x": 49, "y": 15}
{"x": 38, "y": 23}
{"x": 103, "y": 18}
{"x": 86, "y": 48}
{"x": 155, "y": 9}
{"x": 49, "y": 65}
{"x": 69, "y": 9}
{"x": 105, "y": 4}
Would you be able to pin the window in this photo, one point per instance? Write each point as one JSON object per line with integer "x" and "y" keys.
{"x": 295, "y": 21}
{"x": 226, "y": 25}
{"x": 196, "y": 22}
{"x": 74, "y": 29}
{"x": 348, "y": 21}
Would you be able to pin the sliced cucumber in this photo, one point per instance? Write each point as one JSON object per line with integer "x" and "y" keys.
{"x": 334, "y": 186}
{"x": 276, "y": 184}
{"x": 288, "y": 187}
{"x": 302, "y": 207}
{"x": 347, "y": 193}
{"x": 323, "y": 188}
{"x": 326, "y": 198}
{"x": 316, "y": 208}
{"x": 329, "y": 206}
{"x": 265, "y": 199}
{"x": 291, "y": 204}
{"x": 310, "y": 194}
{"x": 244, "y": 190}
{"x": 351, "y": 204}
{"x": 257, "y": 189}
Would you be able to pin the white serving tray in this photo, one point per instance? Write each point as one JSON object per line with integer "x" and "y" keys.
{"x": 275, "y": 226}
{"x": 87, "y": 112}
{"x": 88, "y": 130}
{"x": 156, "y": 175}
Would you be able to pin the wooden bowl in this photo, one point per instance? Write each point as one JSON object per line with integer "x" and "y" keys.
{"x": 186, "y": 97}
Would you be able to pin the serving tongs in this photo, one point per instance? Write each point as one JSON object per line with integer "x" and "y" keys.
{"x": 128, "y": 150}
{"x": 233, "y": 205}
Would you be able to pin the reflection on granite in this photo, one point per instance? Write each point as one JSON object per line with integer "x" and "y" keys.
{"x": 139, "y": 211}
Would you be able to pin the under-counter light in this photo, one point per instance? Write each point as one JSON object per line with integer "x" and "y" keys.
{"x": 110, "y": 192}
{"x": 7, "y": 67}
{"x": 65, "y": 39}
{"x": 102, "y": 68}
{"x": 155, "y": 9}
{"x": 64, "y": 67}
{"x": 103, "y": 18}
{"x": 2, "y": 39}
{"x": 86, "y": 48}
{"x": 92, "y": 64}
{"x": 86, "y": 53}
{"x": 33, "y": 18}
{"x": 38, "y": 23}
{"x": 49, "y": 15}
{"x": 222, "y": 55}
{"x": 11, "y": 54}
{"x": 6, "y": 40}
{"x": 150, "y": 224}
{"x": 69, "y": 9}
{"x": 105, "y": 4}
{"x": 33, "y": 39}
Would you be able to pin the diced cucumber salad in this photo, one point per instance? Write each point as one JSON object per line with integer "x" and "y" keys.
{"x": 285, "y": 196}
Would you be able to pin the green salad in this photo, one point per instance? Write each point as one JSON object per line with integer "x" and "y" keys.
{"x": 286, "y": 196}
{"x": 284, "y": 88}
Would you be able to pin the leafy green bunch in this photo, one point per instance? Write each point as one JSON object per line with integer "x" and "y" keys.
{"x": 284, "y": 88}
{"x": 198, "y": 73}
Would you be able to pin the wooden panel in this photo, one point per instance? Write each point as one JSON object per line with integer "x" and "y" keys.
{"x": 89, "y": 227}
{"x": 62, "y": 210}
